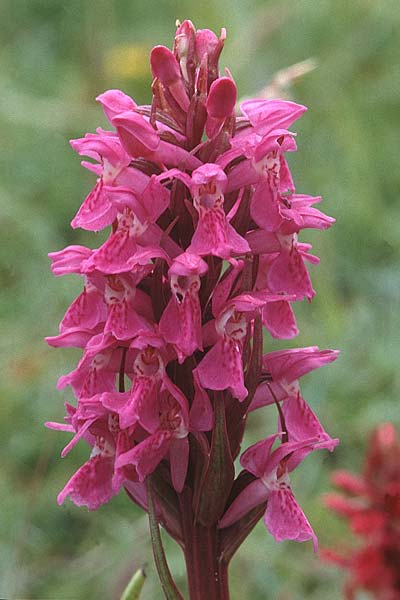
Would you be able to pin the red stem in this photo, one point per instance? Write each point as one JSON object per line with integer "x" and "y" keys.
{"x": 207, "y": 573}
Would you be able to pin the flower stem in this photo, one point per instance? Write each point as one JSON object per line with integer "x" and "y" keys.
{"x": 207, "y": 572}
{"x": 171, "y": 592}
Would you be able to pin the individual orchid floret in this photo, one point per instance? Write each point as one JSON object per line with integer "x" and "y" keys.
{"x": 275, "y": 180}
{"x": 108, "y": 303}
{"x": 184, "y": 306}
{"x": 92, "y": 485}
{"x": 135, "y": 239}
{"x": 222, "y": 366}
{"x": 98, "y": 210}
{"x": 139, "y": 404}
{"x": 168, "y": 436}
{"x": 97, "y": 480}
{"x": 123, "y": 319}
{"x": 214, "y": 234}
{"x": 283, "y": 517}
{"x": 97, "y": 370}
{"x": 285, "y": 257}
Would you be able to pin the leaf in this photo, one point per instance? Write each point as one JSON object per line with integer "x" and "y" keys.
{"x": 134, "y": 587}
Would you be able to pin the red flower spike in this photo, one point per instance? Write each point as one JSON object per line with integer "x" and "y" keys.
{"x": 371, "y": 505}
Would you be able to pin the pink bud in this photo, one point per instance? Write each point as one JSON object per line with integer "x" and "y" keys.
{"x": 221, "y": 98}
{"x": 206, "y": 42}
{"x": 164, "y": 65}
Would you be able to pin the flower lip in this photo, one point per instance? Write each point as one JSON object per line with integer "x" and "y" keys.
{"x": 232, "y": 323}
{"x": 184, "y": 284}
{"x": 149, "y": 363}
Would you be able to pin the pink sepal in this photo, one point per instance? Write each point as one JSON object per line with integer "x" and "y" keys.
{"x": 253, "y": 495}
{"x": 73, "y": 338}
{"x": 97, "y": 210}
{"x": 293, "y": 363}
{"x": 86, "y": 311}
{"x": 288, "y": 273}
{"x": 114, "y": 102}
{"x": 59, "y": 426}
{"x": 69, "y": 260}
{"x": 255, "y": 459}
{"x": 279, "y": 319}
{"x": 266, "y": 115}
{"x": 302, "y": 423}
{"x": 80, "y": 434}
{"x": 137, "y": 136}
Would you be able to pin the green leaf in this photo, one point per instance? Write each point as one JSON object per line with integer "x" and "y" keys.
{"x": 134, "y": 587}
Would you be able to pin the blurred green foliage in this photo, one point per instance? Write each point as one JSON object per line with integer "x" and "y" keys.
{"x": 55, "y": 58}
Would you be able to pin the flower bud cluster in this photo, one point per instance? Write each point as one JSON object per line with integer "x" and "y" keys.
{"x": 203, "y": 255}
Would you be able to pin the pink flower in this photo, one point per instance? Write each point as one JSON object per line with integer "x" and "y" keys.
{"x": 222, "y": 367}
{"x": 98, "y": 480}
{"x": 167, "y": 436}
{"x": 203, "y": 253}
{"x": 98, "y": 210}
{"x": 283, "y": 517}
{"x": 184, "y": 306}
{"x": 214, "y": 234}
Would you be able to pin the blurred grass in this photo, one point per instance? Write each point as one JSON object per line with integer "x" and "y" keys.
{"x": 55, "y": 58}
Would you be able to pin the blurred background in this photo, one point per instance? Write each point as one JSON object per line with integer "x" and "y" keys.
{"x": 55, "y": 57}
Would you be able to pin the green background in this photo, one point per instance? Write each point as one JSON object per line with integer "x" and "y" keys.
{"x": 55, "y": 57}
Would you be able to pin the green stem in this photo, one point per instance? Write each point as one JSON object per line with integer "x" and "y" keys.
{"x": 171, "y": 592}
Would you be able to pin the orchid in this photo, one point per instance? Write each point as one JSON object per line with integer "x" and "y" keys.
{"x": 203, "y": 255}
